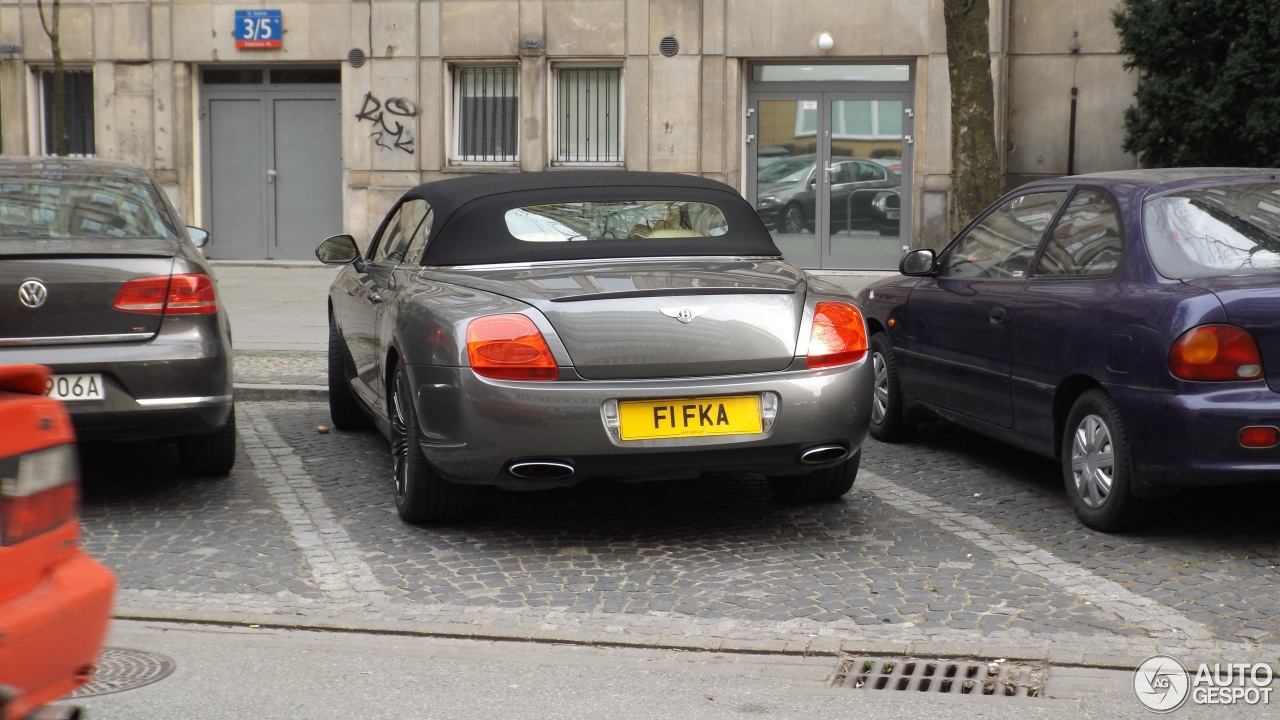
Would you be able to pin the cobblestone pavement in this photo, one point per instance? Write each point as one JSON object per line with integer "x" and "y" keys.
{"x": 947, "y": 544}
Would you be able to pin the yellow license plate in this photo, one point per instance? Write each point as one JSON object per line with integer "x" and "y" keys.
{"x": 689, "y": 417}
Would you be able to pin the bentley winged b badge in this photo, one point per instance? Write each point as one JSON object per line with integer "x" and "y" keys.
{"x": 684, "y": 315}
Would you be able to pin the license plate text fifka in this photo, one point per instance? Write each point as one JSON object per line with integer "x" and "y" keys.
{"x": 691, "y": 417}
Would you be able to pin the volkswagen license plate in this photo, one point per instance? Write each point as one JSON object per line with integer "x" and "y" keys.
{"x": 689, "y": 417}
{"x": 70, "y": 388}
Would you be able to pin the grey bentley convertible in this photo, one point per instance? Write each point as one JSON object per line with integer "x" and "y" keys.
{"x": 535, "y": 330}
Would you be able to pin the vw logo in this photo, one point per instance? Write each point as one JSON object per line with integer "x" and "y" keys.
{"x": 32, "y": 293}
{"x": 684, "y": 315}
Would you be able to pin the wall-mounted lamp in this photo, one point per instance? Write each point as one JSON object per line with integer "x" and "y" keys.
{"x": 825, "y": 41}
{"x": 10, "y": 49}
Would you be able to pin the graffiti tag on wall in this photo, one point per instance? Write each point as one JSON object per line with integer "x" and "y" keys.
{"x": 388, "y": 133}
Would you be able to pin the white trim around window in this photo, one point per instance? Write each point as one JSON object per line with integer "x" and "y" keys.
{"x": 586, "y": 109}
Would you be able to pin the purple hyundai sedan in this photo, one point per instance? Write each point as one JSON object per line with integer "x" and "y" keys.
{"x": 1126, "y": 324}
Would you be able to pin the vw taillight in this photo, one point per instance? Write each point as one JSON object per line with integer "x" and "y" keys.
{"x": 509, "y": 347}
{"x": 1215, "y": 352}
{"x": 839, "y": 335}
{"x": 188, "y": 294}
{"x": 39, "y": 491}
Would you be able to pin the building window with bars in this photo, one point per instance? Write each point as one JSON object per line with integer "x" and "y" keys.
{"x": 589, "y": 115}
{"x": 78, "y": 87}
{"x": 486, "y": 114}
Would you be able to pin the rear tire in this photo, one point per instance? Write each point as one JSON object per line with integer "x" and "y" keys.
{"x": 344, "y": 410}
{"x": 887, "y": 422}
{"x": 209, "y": 455}
{"x": 820, "y": 486}
{"x": 422, "y": 496}
{"x": 1096, "y": 466}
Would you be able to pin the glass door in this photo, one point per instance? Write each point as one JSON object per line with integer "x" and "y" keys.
{"x": 827, "y": 173}
{"x": 870, "y": 146}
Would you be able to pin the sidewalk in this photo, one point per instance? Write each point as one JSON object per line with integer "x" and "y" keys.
{"x": 280, "y": 331}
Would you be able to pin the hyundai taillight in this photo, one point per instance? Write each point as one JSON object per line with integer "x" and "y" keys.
{"x": 509, "y": 347}
{"x": 1215, "y": 352}
{"x": 839, "y": 335}
{"x": 188, "y": 294}
{"x": 39, "y": 491}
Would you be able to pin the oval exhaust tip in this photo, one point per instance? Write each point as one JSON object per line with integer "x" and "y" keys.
{"x": 540, "y": 470}
{"x": 823, "y": 454}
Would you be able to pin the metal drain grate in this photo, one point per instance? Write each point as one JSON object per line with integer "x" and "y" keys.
{"x": 119, "y": 669}
{"x": 955, "y": 676}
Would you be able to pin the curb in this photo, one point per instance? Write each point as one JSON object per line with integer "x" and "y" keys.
{"x": 827, "y": 646}
{"x": 275, "y": 392}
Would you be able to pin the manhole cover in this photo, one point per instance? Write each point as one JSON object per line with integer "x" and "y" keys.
{"x": 998, "y": 678}
{"x": 119, "y": 669}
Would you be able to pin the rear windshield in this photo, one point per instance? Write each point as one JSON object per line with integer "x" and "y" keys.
{"x": 621, "y": 220}
{"x": 59, "y": 206}
{"x": 1213, "y": 231}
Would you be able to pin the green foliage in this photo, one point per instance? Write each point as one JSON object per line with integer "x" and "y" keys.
{"x": 1209, "y": 89}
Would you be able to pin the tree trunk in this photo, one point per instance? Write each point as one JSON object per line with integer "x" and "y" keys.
{"x": 59, "y": 76}
{"x": 975, "y": 167}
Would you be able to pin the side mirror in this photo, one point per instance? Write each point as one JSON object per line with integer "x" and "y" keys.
{"x": 919, "y": 263}
{"x": 199, "y": 237}
{"x": 337, "y": 250}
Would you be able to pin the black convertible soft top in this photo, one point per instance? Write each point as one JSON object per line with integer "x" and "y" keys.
{"x": 469, "y": 225}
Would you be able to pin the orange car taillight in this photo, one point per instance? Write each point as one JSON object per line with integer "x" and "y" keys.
{"x": 39, "y": 491}
{"x": 1215, "y": 352}
{"x": 189, "y": 294}
{"x": 839, "y": 335}
{"x": 509, "y": 347}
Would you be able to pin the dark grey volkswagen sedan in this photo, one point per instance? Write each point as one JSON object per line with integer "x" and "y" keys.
{"x": 535, "y": 330}
{"x": 101, "y": 281}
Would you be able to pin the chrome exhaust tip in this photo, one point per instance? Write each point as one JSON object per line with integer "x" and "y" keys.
{"x": 823, "y": 454}
{"x": 544, "y": 470}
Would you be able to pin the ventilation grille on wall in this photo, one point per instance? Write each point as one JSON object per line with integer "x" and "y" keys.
{"x": 669, "y": 46}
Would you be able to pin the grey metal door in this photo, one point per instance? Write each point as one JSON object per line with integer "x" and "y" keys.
{"x": 236, "y": 202}
{"x": 307, "y": 179}
{"x": 273, "y": 170}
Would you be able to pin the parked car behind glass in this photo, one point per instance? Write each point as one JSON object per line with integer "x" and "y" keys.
{"x": 1126, "y": 324}
{"x": 536, "y": 330}
{"x": 100, "y": 281}
{"x": 55, "y": 600}
{"x": 863, "y": 193}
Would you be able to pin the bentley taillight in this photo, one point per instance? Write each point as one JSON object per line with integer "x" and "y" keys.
{"x": 188, "y": 294}
{"x": 1215, "y": 352}
{"x": 509, "y": 347}
{"x": 839, "y": 335}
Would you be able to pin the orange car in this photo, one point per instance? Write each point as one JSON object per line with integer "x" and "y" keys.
{"x": 55, "y": 600}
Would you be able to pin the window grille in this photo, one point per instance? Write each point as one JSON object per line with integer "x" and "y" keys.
{"x": 486, "y": 113}
{"x": 590, "y": 115}
{"x": 78, "y": 87}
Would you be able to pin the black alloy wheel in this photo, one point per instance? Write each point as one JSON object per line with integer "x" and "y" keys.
{"x": 820, "y": 486}
{"x": 793, "y": 221}
{"x": 887, "y": 422}
{"x": 344, "y": 410}
{"x": 422, "y": 496}
{"x": 1096, "y": 466}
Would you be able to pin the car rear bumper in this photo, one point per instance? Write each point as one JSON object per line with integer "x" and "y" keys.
{"x": 473, "y": 427}
{"x": 178, "y": 383}
{"x": 1194, "y": 439}
{"x": 53, "y": 633}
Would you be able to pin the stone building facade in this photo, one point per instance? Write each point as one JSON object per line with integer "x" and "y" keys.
{"x": 272, "y": 148}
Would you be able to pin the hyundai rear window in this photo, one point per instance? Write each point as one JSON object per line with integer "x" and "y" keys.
{"x": 63, "y": 207}
{"x": 615, "y": 220}
{"x": 1213, "y": 231}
